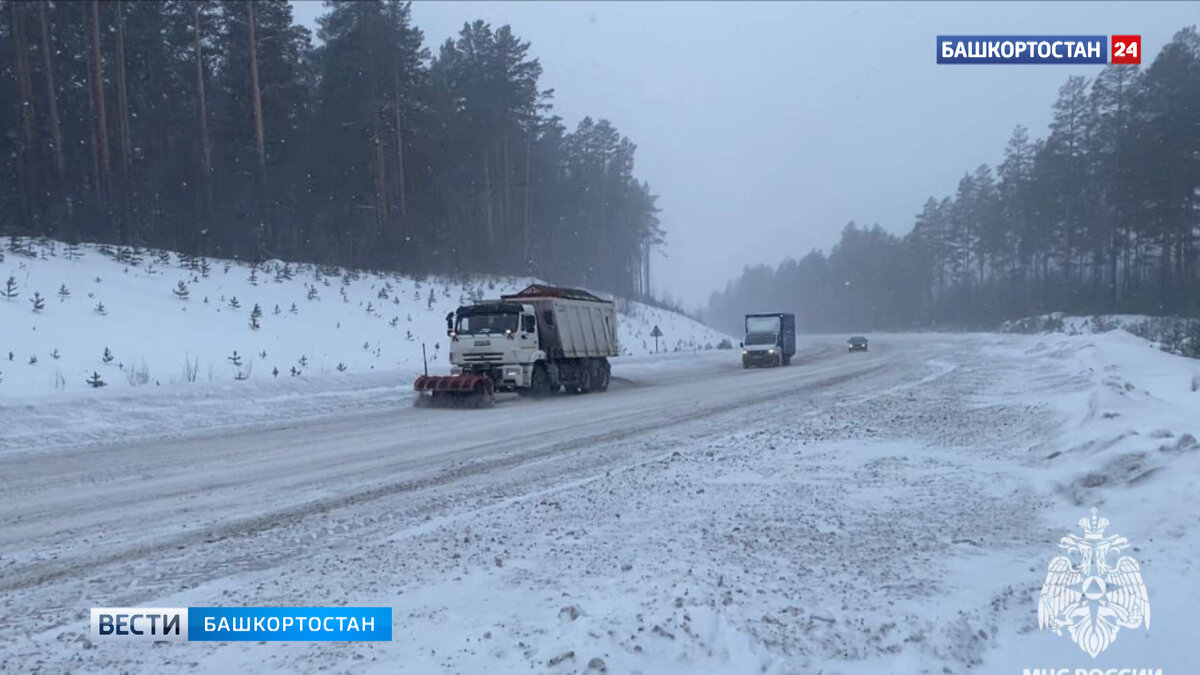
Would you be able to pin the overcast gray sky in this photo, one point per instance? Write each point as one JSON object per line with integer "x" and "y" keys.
{"x": 765, "y": 127}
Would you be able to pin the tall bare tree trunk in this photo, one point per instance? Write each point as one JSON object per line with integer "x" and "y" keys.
{"x": 379, "y": 174}
{"x": 506, "y": 169}
{"x": 256, "y": 95}
{"x": 259, "y": 133}
{"x": 60, "y": 166}
{"x": 399, "y": 144}
{"x": 487, "y": 193}
{"x": 525, "y": 252}
{"x": 104, "y": 167}
{"x": 394, "y": 21}
{"x": 25, "y": 160}
{"x": 202, "y": 102}
{"x": 122, "y": 98}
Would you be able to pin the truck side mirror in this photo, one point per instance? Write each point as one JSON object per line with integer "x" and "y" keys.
{"x": 741, "y": 344}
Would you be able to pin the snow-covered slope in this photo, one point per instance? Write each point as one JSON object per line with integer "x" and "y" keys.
{"x": 156, "y": 319}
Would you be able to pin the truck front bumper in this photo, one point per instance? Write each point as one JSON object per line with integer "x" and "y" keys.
{"x": 505, "y": 377}
{"x": 762, "y": 358}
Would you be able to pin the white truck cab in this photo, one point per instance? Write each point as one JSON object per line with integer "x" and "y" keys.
{"x": 498, "y": 336}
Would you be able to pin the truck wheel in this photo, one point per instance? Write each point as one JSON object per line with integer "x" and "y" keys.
{"x": 484, "y": 395}
{"x": 585, "y": 381}
{"x": 540, "y": 386}
{"x": 603, "y": 377}
{"x": 787, "y": 360}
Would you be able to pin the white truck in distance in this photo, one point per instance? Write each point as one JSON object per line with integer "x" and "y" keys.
{"x": 536, "y": 342}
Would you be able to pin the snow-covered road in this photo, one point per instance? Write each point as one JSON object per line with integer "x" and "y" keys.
{"x": 854, "y": 512}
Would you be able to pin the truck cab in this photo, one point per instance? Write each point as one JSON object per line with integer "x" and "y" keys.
{"x": 770, "y": 340}
{"x": 495, "y": 338}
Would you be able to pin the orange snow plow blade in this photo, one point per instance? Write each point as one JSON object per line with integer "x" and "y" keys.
{"x": 450, "y": 389}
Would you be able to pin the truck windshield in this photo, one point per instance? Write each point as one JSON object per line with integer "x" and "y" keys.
{"x": 762, "y": 324}
{"x": 480, "y": 324}
{"x": 760, "y": 339}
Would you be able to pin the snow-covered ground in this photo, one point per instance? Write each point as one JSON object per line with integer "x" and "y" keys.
{"x": 893, "y": 511}
{"x": 179, "y": 359}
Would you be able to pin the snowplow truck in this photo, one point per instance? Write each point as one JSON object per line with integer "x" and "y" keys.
{"x": 540, "y": 341}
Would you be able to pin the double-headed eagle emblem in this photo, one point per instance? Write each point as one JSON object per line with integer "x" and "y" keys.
{"x": 1087, "y": 595}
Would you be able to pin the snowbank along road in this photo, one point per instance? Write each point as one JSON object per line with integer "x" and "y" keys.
{"x": 883, "y": 512}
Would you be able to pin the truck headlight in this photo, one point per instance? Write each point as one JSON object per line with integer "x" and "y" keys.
{"x": 745, "y": 352}
{"x": 770, "y": 351}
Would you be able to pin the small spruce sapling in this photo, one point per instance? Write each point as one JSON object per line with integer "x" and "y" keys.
{"x": 100, "y": 309}
{"x": 234, "y": 304}
{"x": 277, "y": 310}
{"x": 55, "y": 355}
{"x": 63, "y": 293}
{"x": 33, "y": 360}
{"x": 341, "y": 367}
{"x": 108, "y": 356}
{"x": 303, "y": 361}
{"x": 312, "y": 293}
{"x": 294, "y": 309}
{"x": 255, "y": 314}
{"x": 181, "y": 290}
{"x": 235, "y": 359}
{"x": 95, "y": 381}
{"x": 39, "y": 303}
{"x": 10, "y": 288}
{"x": 275, "y": 372}
{"x": 295, "y": 373}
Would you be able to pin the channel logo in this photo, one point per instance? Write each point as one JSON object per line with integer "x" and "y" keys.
{"x": 1039, "y": 49}
{"x": 233, "y": 624}
{"x": 140, "y": 624}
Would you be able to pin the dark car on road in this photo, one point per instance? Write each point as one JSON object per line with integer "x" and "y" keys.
{"x": 857, "y": 343}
